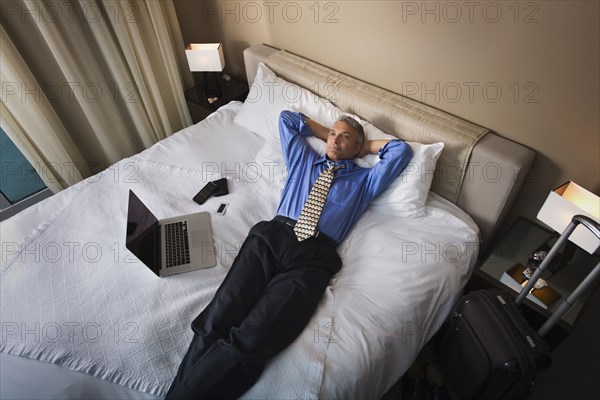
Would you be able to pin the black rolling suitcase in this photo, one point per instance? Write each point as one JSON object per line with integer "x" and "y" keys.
{"x": 489, "y": 351}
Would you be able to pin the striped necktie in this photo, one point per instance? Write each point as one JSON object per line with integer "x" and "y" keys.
{"x": 306, "y": 226}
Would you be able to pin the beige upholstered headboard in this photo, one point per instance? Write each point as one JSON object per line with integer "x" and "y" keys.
{"x": 478, "y": 170}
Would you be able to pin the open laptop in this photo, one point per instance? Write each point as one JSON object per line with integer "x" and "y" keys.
{"x": 172, "y": 245}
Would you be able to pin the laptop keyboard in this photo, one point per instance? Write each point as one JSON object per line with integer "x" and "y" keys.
{"x": 177, "y": 244}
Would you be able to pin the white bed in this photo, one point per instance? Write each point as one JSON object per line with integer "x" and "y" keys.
{"x": 107, "y": 327}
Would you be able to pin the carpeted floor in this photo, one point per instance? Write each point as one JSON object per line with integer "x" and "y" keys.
{"x": 576, "y": 361}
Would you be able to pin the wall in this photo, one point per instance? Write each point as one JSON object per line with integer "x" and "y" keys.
{"x": 527, "y": 70}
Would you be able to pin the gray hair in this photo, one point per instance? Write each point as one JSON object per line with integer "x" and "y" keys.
{"x": 355, "y": 125}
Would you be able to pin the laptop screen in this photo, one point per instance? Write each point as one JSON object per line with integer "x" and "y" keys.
{"x": 143, "y": 233}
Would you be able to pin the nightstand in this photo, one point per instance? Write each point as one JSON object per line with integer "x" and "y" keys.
{"x": 199, "y": 106}
{"x": 523, "y": 238}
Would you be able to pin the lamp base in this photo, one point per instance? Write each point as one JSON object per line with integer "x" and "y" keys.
{"x": 212, "y": 88}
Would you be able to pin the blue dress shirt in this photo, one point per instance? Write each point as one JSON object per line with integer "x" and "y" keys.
{"x": 352, "y": 188}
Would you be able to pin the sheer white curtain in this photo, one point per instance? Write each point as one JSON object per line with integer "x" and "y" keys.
{"x": 101, "y": 80}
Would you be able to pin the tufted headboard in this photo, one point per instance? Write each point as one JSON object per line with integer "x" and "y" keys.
{"x": 478, "y": 170}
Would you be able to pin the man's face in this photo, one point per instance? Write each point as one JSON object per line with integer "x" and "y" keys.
{"x": 343, "y": 142}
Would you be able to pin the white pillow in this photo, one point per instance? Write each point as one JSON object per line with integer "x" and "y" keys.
{"x": 270, "y": 95}
{"x": 407, "y": 194}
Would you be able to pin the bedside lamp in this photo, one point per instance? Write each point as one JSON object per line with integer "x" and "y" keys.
{"x": 562, "y": 204}
{"x": 573, "y": 212}
{"x": 568, "y": 208}
{"x": 206, "y": 57}
{"x": 593, "y": 227}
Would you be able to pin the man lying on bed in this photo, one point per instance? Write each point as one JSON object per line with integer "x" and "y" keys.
{"x": 278, "y": 278}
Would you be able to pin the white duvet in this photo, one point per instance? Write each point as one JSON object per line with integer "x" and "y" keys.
{"x": 72, "y": 295}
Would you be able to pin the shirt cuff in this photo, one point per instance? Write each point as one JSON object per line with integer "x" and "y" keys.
{"x": 303, "y": 128}
{"x": 386, "y": 147}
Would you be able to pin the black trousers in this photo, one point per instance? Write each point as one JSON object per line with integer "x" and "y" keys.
{"x": 267, "y": 298}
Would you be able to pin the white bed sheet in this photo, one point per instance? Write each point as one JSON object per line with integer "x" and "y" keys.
{"x": 399, "y": 280}
{"x": 237, "y": 148}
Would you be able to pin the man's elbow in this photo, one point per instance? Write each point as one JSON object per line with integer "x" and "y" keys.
{"x": 285, "y": 119}
{"x": 287, "y": 115}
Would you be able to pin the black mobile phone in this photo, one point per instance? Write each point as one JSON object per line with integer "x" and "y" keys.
{"x": 208, "y": 190}
{"x": 222, "y": 187}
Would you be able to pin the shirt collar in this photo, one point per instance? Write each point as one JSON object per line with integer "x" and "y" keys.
{"x": 349, "y": 165}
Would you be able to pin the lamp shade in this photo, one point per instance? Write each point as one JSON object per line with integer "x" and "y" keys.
{"x": 205, "y": 57}
{"x": 562, "y": 204}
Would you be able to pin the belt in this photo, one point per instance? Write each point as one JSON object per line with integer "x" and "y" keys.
{"x": 318, "y": 235}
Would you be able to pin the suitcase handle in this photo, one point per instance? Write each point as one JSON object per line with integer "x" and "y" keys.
{"x": 594, "y": 227}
